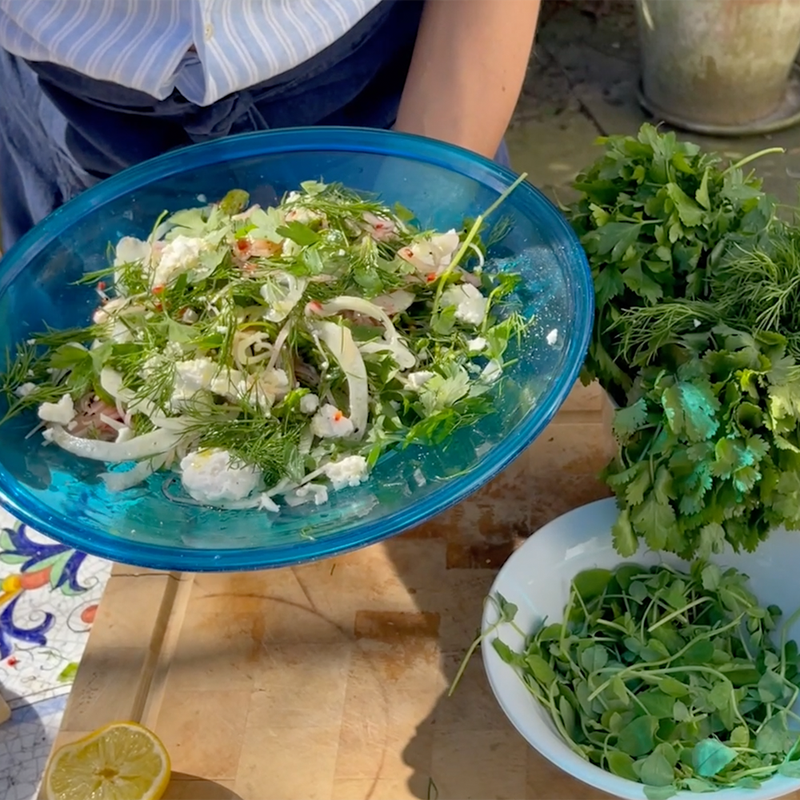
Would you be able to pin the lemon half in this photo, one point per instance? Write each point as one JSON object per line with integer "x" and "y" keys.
{"x": 121, "y": 761}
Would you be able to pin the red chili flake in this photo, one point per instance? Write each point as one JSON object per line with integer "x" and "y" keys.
{"x": 101, "y": 285}
{"x": 314, "y": 306}
{"x": 338, "y": 416}
{"x": 431, "y": 277}
{"x": 12, "y": 661}
{"x": 158, "y": 306}
{"x": 158, "y": 289}
{"x": 242, "y": 245}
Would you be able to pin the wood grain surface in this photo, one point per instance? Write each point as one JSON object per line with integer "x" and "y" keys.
{"x": 328, "y": 681}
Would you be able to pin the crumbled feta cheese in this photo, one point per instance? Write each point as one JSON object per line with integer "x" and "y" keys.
{"x": 25, "y": 389}
{"x": 61, "y": 413}
{"x": 696, "y": 323}
{"x": 180, "y": 255}
{"x": 469, "y": 302}
{"x": 189, "y": 316}
{"x": 309, "y": 403}
{"x": 131, "y": 250}
{"x": 194, "y": 375}
{"x": 350, "y": 471}
{"x": 209, "y": 477}
{"x": 173, "y": 350}
{"x": 330, "y": 423}
{"x": 476, "y": 345}
{"x": 228, "y": 383}
{"x": 552, "y": 337}
{"x": 491, "y": 372}
{"x": 416, "y": 380}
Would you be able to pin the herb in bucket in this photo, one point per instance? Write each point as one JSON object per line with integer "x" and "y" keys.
{"x": 667, "y": 678}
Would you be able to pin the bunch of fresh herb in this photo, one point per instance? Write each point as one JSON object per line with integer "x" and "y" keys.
{"x": 666, "y": 678}
{"x": 652, "y": 217}
{"x": 709, "y": 447}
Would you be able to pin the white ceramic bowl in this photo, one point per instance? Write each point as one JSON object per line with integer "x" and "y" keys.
{"x": 537, "y": 579}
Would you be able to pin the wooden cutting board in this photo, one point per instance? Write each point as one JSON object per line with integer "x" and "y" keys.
{"x": 328, "y": 681}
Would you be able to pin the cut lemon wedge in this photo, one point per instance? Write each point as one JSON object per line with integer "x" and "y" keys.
{"x": 122, "y": 761}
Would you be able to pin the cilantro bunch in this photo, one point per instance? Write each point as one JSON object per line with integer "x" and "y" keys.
{"x": 653, "y": 216}
{"x": 709, "y": 451}
{"x": 666, "y": 678}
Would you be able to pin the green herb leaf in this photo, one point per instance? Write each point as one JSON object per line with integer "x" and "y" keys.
{"x": 710, "y": 757}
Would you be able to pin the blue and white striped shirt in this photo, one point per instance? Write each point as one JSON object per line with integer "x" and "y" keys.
{"x": 205, "y": 49}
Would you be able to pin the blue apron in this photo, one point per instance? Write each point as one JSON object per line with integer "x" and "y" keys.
{"x": 61, "y": 132}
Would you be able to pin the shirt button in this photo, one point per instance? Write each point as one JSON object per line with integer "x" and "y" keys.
{"x": 209, "y": 31}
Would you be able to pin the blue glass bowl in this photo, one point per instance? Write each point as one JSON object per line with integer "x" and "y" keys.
{"x": 63, "y": 497}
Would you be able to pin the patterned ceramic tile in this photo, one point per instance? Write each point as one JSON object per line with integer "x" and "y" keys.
{"x": 25, "y": 742}
{"x": 48, "y": 598}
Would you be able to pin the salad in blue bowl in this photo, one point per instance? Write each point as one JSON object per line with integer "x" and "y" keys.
{"x": 281, "y": 346}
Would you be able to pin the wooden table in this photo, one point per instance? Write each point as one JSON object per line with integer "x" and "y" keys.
{"x": 328, "y": 681}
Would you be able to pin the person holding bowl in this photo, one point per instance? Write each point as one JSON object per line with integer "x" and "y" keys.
{"x": 90, "y": 87}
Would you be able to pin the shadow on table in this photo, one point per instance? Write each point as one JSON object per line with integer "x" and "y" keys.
{"x": 462, "y": 747}
{"x": 190, "y": 787}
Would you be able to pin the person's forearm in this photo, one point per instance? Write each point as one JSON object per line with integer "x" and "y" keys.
{"x": 467, "y": 71}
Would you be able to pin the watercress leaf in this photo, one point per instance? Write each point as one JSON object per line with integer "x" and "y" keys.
{"x": 770, "y": 687}
{"x": 659, "y": 792}
{"x": 567, "y": 713}
{"x": 698, "y": 786}
{"x": 699, "y": 652}
{"x": 591, "y": 583}
{"x": 505, "y": 652}
{"x": 621, "y": 765}
{"x": 711, "y": 576}
{"x": 657, "y": 703}
{"x": 774, "y": 736}
{"x": 507, "y": 610}
{"x": 540, "y": 670}
{"x": 680, "y": 712}
{"x": 710, "y": 757}
{"x": 721, "y": 696}
{"x": 594, "y": 658}
{"x": 790, "y": 769}
{"x": 656, "y": 770}
{"x": 637, "y": 739}
{"x": 638, "y": 591}
{"x": 740, "y": 737}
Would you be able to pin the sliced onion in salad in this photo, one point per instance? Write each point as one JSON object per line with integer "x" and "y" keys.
{"x": 339, "y": 341}
{"x": 150, "y": 444}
